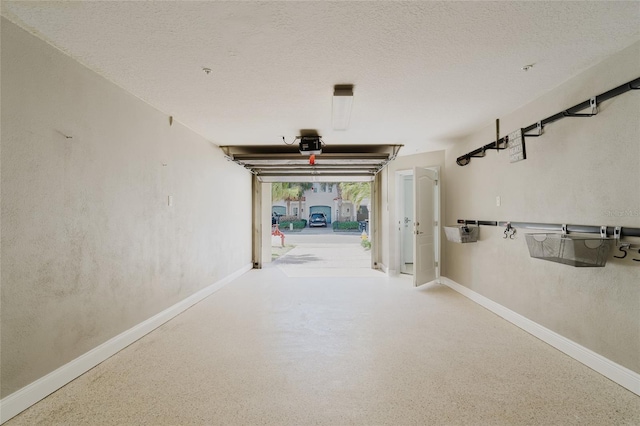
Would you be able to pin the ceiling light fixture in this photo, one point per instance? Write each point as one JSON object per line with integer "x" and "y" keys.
{"x": 342, "y": 103}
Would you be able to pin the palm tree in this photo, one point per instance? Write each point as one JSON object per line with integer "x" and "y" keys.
{"x": 290, "y": 191}
{"x": 283, "y": 191}
{"x": 301, "y": 187}
{"x": 355, "y": 192}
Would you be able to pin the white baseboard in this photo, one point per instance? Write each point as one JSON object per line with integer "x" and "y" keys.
{"x": 390, "y": 272}
{"x": 619, "y": 374}
{"x": 34, "y": 392}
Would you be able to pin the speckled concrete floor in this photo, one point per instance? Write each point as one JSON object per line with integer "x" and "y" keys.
{"x": 269, "y": 349}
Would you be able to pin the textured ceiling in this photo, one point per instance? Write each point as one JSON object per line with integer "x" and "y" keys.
{"x": 425, "y": 73}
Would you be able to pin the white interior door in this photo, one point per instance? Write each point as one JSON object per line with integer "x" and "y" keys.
{"x": 425, "y": 225}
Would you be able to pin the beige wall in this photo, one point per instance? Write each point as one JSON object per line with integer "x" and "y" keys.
{"x": 389, "y": 232}
{"x": 581, "y": 171}
{"x": 89, "y": 244}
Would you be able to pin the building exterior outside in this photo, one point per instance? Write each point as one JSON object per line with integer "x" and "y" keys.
{"x": 322, "y": 198}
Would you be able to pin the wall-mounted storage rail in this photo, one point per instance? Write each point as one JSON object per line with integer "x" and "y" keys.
{"x": 478, "y": 222}
{"x": 593, "y": 102}
{"x": 540, "y": 246}
{"x": 583, "y": 229}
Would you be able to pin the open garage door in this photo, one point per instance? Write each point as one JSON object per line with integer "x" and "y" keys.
{"x": 321, "y": 209}
{"x": 336, "y": 163}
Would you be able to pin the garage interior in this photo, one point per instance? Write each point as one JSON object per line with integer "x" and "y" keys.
{"x": 137, "y": 142}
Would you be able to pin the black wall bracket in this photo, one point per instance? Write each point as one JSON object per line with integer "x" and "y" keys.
{"x": 593, "y": 102}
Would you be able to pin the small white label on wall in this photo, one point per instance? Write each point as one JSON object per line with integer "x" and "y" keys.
{"x": 170, "y": 200}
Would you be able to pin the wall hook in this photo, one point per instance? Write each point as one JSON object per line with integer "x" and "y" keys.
{"x": 538, "y": 130}
{"x": 463, "y": 161}
{"x": 593, "y": 103}
{"x": 480, "y": 154}
{"x": 603, "y": 232}
{"x": 616, "y": 234}
{"x": 509, "y": 232}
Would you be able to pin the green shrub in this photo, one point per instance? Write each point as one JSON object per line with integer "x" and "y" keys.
{"x": 345, "y": 226}
{"x": 285, "y": 221}
{"x": 297, "y": 224}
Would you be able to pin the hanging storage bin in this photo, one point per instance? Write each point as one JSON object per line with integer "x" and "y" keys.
{"x": 570, "y": 250}
{"x": 462, "y": 234}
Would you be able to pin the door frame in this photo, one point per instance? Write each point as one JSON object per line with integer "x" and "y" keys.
{"x": 257, "y": 241}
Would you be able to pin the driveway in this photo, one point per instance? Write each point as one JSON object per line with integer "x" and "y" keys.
{"x": 320, "y": 252}
{"x": 318, "y": 230}
{"x": 321, "y": 235}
